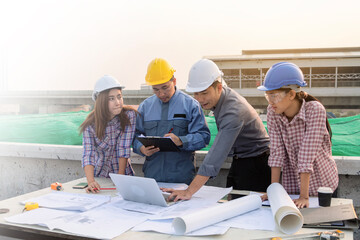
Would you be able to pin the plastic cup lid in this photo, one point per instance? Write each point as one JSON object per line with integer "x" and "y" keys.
{"x": 325, "y": 190}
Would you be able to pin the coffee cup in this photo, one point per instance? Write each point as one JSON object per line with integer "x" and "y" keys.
{"x": 324, "y": 195}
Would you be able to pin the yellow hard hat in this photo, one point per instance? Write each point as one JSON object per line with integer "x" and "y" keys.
{"x": 159, "y": 71}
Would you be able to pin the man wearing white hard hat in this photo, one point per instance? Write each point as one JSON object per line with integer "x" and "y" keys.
{"x": 241, "y": 134}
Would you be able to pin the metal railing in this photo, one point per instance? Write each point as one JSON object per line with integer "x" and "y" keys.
{"x": 313, "y": 80}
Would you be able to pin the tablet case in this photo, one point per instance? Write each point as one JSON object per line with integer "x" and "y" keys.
{"x": 164, "y": 143}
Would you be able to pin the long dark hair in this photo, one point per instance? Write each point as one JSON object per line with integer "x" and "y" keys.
{"x": 100, "y": 116}
{"x": 308, "y": 98}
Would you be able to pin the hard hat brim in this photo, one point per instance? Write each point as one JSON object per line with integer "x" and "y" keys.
{"x": 95, "y": 94}
{"x": 193, "y": 90}
{"x": 263, "y": 88}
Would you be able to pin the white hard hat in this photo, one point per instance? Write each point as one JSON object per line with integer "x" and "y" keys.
{"x": 202, "y": 74}
{"x": 105, "y": 83}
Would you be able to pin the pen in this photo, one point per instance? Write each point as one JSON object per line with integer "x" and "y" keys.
{"x": 105, "y": 189}
{"x": 170, "y": 130}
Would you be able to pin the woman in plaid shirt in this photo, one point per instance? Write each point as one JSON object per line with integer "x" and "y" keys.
{"x": 300, "y": 135}
{"x": 108, "y": 132}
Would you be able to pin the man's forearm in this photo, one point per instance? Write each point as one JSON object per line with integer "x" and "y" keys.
{"x": 197, "y": 183}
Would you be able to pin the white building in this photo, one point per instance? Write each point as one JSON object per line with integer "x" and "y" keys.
{"x": 329, "y": 72}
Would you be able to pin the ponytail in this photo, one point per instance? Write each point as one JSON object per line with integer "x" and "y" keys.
{"x": 308, "y": 98}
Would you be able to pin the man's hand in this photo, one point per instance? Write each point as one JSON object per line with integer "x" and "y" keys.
{"x": 177, "y": 195}
{"x": 195, "y": 185}
{"x": 149, "y": 150}
{"x": 174, "y": 138}
{"x": 93, "y": 187}
{"x": 302, "y": 202}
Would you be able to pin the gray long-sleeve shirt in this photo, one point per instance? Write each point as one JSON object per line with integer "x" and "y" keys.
{"x": 240, "y": 132}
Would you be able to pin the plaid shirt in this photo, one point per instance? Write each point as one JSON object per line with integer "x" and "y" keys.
{"x": 302, "y": 146}
{"x": 104, "y": 154}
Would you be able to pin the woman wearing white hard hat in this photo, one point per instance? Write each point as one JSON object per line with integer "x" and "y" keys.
{"x": 300, "y": 135}
{"x": 108, "y": 132}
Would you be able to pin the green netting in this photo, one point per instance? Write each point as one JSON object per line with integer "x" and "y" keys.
{"x": 62, "y": 128}
{"x": 345, "y": 135}
{"x": 213, "y": 130}
{"x": 59, "y": 128}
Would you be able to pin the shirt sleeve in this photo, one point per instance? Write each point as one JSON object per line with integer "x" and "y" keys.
{"x": 198, "y": 132}
{"x": 277, "y": 147}
{"x": 229, "y": 130}
{"x": 315, "y": 125}
{"x": 139, "y": 129}
{"x": 88, "y": 157}
{"x": 127, "y": 136}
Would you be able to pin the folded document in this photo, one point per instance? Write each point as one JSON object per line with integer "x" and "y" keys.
{"x": 341, "y": 216}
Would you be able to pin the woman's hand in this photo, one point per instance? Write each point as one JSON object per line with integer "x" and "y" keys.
{"x": 302, "y": 202}
{"x": 264, "y": 197}
{"x": 93, "y": 187}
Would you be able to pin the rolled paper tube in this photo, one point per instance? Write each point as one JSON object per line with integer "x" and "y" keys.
{"x": 286, "y": 215}
{"x": 218, "y": 213}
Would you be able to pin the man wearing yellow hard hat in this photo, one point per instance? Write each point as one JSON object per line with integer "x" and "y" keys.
{"x": 170, "y": 113}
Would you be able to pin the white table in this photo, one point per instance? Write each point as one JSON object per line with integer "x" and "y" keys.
{"x": 38, "y": 232}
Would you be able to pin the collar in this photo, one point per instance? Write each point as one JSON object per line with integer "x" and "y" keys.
{"x": 114, "y": 121}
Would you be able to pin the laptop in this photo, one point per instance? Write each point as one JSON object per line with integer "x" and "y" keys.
{"x": 140, "y": 189}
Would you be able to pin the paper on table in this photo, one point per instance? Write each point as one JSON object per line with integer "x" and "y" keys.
{"x": 287, "y": 216}
{"x": 141, "y": 207}
{"x": 87, "y": 223}
{"x": 164, "y": 226}
{"x": 220, "y": 212}
{"x": 259, "y": 219}
{"x": 183, "y": 208}
{"x": 205, "y": 197}
{"x": 210, "y": 193}
{"x": 104, "y": 222}
{"x": 39, "y": 216}
{"x": 70, "y": 201}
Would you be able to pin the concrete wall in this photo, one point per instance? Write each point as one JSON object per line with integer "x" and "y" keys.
{"x": 28, "y": 167}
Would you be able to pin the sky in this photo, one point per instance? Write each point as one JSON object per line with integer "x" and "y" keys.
{"x": 69, "y": 44}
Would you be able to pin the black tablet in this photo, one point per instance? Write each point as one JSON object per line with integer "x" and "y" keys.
{"x": 164, "y": 143}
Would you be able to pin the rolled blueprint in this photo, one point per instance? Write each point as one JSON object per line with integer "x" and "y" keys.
{"x": 286, "y": 215}
{"x": 218, "y": 213}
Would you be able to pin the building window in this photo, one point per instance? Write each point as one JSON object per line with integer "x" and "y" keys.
{"x": 250, "y": 77}
{"x": 232, "y": 77}
{"x": 348, "y": 77}
{"x": 323, "y": 76}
